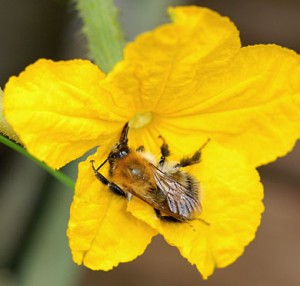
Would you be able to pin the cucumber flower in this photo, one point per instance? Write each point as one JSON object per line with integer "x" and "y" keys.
{"x": 187, "y": 81}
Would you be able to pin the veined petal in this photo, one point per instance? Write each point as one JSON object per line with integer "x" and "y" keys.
{"x": 254, "y": 104}
{"x": 4, "y": 126}
{"x": 163, "y": 68}
{"x": 101, "y": 232}
{"x": 58, "y": 111}
{"x": 231, "y": 199}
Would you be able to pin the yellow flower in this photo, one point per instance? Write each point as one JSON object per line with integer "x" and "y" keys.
{"x": 188, "y": 81}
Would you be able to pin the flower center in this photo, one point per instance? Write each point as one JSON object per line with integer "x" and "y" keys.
{"x": 140, "y": 119}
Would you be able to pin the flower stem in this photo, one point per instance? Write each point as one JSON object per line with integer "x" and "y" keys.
{"x": 58, "y": 175}
{"x": 102, "y": 29}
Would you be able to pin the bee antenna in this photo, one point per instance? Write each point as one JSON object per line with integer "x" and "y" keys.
{"x": 124, "y": 134}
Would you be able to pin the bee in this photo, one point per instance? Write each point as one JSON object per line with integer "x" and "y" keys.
{"x": 172, "y": 192}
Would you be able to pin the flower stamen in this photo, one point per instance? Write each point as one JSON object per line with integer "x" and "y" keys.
{"x": 141, "y": 119}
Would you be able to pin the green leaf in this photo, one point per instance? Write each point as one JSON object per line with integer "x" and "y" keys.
{"x": 102, "y": 29}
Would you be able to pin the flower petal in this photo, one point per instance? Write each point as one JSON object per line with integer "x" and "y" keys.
{"x": 254, "y": 104}
{"x": 57, "y": 110}
{"x": 101, "y": 232}
{"x": 160, "y": 67}
{"x": 231, "y": 199}
{"x": 5, "y": 128}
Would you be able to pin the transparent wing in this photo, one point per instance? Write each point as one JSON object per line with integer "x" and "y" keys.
{"x": 181, "y": 201}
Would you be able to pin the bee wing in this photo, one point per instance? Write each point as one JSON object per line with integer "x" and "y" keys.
{"x": 181, "y": 201}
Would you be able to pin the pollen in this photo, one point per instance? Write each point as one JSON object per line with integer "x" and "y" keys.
{"x": 141, "y": 119}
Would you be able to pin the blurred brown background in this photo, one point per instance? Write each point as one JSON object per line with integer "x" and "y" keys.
{"x": 34, "y": 208}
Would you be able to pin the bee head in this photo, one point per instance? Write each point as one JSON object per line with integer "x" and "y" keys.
{"x": 118, "y": 152}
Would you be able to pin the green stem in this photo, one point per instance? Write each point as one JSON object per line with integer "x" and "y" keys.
{"x": 103, "y": 32}
{"x": 56, "y": 174}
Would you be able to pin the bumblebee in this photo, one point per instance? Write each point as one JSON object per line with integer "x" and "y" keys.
{"x": 172, "y": 192}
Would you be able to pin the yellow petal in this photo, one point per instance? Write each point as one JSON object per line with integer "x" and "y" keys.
{"x": 5, "y": 128}
{"x": 254, "y": 104}
{"x": 101, "y": 232}
{"x": 164, "y": 66}
{"x": 231, "y": 197}
{"x": 57, "y": 110}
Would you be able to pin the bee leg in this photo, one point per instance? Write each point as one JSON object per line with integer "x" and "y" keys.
{"x": 140, "y": 149}
{"x": 165, "y": 218}
{"x": 164, "y": 150}
{"x": 187, "y": 161}
{"x": 112, "y": 187}
{"x": 117, "y": 190}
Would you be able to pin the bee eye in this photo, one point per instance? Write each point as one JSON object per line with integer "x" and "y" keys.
{"x": 119, "y": 153}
